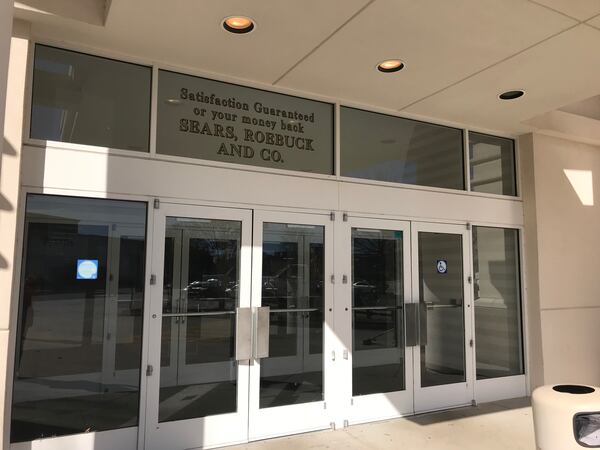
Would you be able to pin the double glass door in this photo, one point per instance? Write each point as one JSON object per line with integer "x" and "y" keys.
{"x": 246, "y": 341}
{"x": 237, "y": 327}
{"x": 405, "y": 317}
{"x": 197, "y": 381}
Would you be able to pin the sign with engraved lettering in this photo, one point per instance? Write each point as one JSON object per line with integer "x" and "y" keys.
{"x": 212, "y": 120}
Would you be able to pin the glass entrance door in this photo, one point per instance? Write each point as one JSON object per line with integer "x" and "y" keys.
{"x": 403, "y": 315}
{"x": 443, "y": 358}
{"x": 198, "y": 381}
{"x": 230, "y": 363}
{"x": 373, "y": 316}
{"x": 290, "y": 377}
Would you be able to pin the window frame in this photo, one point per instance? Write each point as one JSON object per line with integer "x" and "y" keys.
{"x": 335, "y": 101}
{"x": 515, "y": 163}
{"x": 16, "y": 291}
{"x": 464, "y": 154}
{"x": 30, "y": 91}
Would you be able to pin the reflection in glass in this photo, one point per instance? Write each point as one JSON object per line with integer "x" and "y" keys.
{"x": 497, "y": 302}
{"x": 492, "y": 163}
{"x": 377, "y": 313}
{"x": 198, "y": 374}
{"x": 77, "y": 364}
{"x": 441, "y": 297}
{"x": 292, "y": 285}
{"x": 90, "y": 100}
{"x": 387, "y": 148}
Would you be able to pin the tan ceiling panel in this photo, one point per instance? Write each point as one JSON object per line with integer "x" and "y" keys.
{"x": 579, "y": 9}
{"x": 89, "y": 11}
{"x": 595, "y": 22}
{"x": 189, "y": 33}
{"x": 560, "y": 71}
{"x": 441, "y": 42}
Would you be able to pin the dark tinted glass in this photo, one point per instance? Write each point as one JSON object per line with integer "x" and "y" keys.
{"x": 497, "y": 302}
{"x": 441, "y": 302}
{"x": 90, "y": 100}
{"x": 492, "y": 164}
{"x": 292, "y": 286}
{"x": 386, "y": 148}
{"x": 377, "y": 313}
{"x": 77, "y": 363}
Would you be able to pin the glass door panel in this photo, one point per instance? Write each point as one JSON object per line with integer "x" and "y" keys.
{"x": 199, "y": 327}
{"x": 290, "y": 261}
{"x": 377, "y": 311}
{"x": 375, "y": 257}
{"x": 202, "y": 388}
{"x": 443, "y": 359}
{"x": 441, "y": 302}
{"x": 292, "y": 275}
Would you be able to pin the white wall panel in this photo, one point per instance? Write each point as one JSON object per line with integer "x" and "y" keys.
{"x": 428, "y": 204}
{"x": 90, "y": 171}
{"x": 93, "y": 171}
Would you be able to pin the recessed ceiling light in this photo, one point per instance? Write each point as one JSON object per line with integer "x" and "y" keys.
{"x": 390, "y": 65}
{"x": 238, "y": 24}
{"x": 511, "y": 95}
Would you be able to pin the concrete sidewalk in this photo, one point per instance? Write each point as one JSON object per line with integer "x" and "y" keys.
{"x": 503, "y": 425}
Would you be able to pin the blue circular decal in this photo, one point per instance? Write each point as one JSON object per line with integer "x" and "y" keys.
{"x": 87, "y": 269}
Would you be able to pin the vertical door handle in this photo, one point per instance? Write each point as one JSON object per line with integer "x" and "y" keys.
{"x": 243, "y": 334}
{"x": 411, "y": 324}
{"x": 262, "y": 319}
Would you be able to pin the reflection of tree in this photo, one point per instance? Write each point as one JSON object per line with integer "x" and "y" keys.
{"x": 374, "y": 277}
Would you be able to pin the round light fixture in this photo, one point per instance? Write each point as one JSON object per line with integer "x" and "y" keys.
{"x": 511, "y": 95}
{"x": 390, "y": 65}
{"x": 238, "y": 24}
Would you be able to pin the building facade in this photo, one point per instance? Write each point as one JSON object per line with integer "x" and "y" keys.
{"x": 192, "y": 258}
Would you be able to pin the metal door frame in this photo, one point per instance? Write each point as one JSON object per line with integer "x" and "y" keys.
{"x": 211, "y": 431}
{"x": 455, "y": 394}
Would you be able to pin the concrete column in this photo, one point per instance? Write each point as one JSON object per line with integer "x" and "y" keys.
{"x": 533, "y": 325}
{"x": 562, "y": 219}
{"x": 6, "y": 18}
{"x": 10, "y": 169}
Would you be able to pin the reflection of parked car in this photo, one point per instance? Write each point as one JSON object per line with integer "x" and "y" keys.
{"x": 365, "y": 293}
{"x": 284, "y": 280}
{"x": 281, "y": 289}
{"x": 370, "y": 294}
{"x": 213, "y": 292}
{"x": 286, "y": 287}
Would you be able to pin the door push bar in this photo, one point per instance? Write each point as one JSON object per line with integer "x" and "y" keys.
{"x": 261, "y": 333}
{"x": 243, "y": 334}
{"x": 415, "y": 318}
{"x": 252, "y": 333}
{"x": 410, "y": 320}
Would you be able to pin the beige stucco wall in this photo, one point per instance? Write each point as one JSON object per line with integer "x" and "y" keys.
{"x": 10, "y": 169}
{"x": 562, "y": 260}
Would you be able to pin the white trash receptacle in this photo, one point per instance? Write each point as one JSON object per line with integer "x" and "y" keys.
{"x": 566, "y": 416}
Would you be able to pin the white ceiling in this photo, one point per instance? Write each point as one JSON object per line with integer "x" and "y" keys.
{"x": 459, "y": 54}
